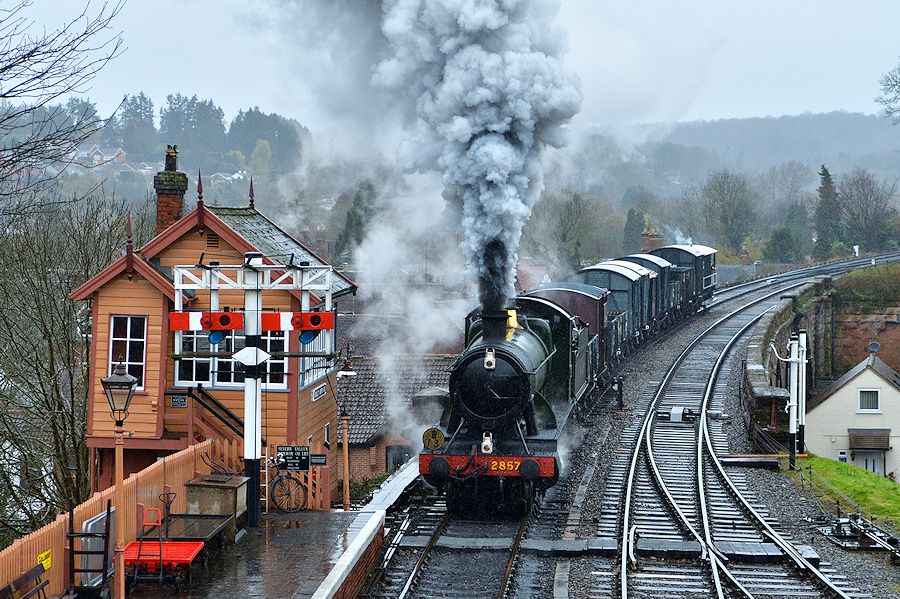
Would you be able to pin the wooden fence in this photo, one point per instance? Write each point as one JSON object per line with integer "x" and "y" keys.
{"x": 141, "y": 490}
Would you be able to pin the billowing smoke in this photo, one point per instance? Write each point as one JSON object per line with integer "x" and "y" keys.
{"x": 486, "y": 78}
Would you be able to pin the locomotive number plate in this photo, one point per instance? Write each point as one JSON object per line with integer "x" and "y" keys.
{"x": 507, "y": 465}
{"x": 433, "y": 439}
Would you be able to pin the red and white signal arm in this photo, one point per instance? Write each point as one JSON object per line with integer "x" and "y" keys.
{"x": 297, "y": 321}
{"x": 234, "y": 321}
{"x": 206, "y": 321}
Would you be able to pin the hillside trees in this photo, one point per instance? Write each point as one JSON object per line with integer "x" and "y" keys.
{"x": 283, "y": 135}
{"x": 569, "y": 227}
{"x": 37, "y": 69}
{"x": 783, "y": 190}
{"x": 134, "y": 129}
{"x": 197, "y": 127}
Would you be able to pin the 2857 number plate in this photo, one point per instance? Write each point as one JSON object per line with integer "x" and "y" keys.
{"x": 504, "y": 465}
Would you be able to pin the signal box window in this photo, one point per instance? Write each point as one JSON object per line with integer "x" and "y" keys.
{"x": 869, "y": 401}
{"x": 221, "y": 371}
{"x": 128, "y": 344}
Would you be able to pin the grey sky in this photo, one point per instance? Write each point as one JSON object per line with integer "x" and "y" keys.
{"x": 639, "y": 61}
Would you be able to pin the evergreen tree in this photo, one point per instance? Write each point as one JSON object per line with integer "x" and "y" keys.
{"x": 135, "y": 127}
{"x": 783, "y": 246}
{"x": 283, "y": 135}
{"x": 197, "y": 127}
{"x": 631, "y": 235}
{"x": 827, "y": 217}
{"x": 360, "y": 215}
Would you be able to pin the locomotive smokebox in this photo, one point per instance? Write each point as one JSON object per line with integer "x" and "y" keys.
{"x": 494, "y": 326}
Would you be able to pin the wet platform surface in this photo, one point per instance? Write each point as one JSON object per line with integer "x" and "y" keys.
{"x": 288, "y": 556}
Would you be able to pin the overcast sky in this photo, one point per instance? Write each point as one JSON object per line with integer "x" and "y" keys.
{"x": 639, "y": 61}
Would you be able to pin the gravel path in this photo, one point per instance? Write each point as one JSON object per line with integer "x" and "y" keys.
{"x": 870, "y": 572}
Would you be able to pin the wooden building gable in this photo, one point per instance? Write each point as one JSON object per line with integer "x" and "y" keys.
{"x": 131, "y": 304}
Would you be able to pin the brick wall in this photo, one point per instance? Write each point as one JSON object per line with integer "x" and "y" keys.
{"x": 356, "y": 581}
{"x": 854, "y": 332}
{"x": 368, "y": 461}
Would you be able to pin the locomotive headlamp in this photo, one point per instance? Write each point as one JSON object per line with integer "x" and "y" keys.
{"x": 489, "y": 360}
{"x": 487, "y": 444}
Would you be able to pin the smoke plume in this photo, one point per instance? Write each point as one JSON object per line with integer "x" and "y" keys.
{"x": 485, "y": 77}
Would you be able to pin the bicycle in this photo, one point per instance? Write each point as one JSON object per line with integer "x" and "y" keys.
{"x": 287, "y": 491}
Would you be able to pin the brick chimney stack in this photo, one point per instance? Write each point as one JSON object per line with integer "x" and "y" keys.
{"x": 650, "y": 242}
{"x": 170, "y": 186}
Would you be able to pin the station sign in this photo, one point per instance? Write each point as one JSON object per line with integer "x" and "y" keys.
{"x": 296, "y": 457}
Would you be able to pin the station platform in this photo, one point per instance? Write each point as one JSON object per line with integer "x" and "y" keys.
{"x": 310, "y": 554}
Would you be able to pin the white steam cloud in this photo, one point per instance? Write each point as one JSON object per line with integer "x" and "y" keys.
{"x": 486, "y": 78}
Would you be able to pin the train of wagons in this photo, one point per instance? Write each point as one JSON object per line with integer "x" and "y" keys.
{"x": 527, "y": 370}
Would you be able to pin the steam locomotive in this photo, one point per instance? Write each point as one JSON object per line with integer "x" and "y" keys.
{"x": 527, "y": 370}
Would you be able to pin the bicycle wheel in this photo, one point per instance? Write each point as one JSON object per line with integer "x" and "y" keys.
{"x": 288, "y": 493}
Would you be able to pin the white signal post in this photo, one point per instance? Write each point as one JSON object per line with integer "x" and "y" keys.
{"x": 253, "y": 277}
{"x": 792, "y": 406}
{"x": 802, "y": 349}
{"x": 796, "y": 407}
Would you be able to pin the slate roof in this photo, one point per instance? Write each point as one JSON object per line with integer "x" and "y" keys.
{"x": 274, "y": 243}
{"x": 882, "y": 369}
{"x": 378, "y": 398}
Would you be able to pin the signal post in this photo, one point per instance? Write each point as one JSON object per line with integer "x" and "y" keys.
{"x": 253, "y": 277}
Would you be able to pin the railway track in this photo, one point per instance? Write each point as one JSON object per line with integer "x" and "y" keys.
{"x": 436, "y": 556}
{"x": 686, "y": 526}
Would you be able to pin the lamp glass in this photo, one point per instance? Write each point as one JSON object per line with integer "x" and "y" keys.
{"x": 119, "y": 388}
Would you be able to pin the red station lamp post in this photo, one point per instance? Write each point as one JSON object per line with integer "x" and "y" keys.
{"x": 346, "y": 370}
{"x": 119, "y": 388}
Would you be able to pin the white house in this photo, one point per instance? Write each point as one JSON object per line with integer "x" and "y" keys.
{"x": 851, "y": 421}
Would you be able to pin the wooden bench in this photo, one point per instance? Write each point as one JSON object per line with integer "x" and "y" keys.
{"x": 32, "y": 577}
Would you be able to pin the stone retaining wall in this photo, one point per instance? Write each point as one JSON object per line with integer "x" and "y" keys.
{"x": 764, "y": 392}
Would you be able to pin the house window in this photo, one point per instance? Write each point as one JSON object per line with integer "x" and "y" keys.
{"x": 128, "y": 343}
{"x": 313, "y": 369}
{"x": 869, "y": 401}
{"x": 224, "y": 371}
{"x": 328, "y": 434}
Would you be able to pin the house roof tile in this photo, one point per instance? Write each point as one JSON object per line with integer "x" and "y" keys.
{"x": 380, "y": 395}
{"x": 274, "y": 243}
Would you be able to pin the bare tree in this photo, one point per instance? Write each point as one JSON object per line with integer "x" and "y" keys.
{"x": 560, "y": 230}
{"x": 867, "y": 206}
{"x": 729, "y": 202}
{"x": 45, "y": 255}
{"x": 690, "y": 222}
{"x": 781, "y": 188}
{"x": 890, "y": 90}
{"x": 36, "y": 72}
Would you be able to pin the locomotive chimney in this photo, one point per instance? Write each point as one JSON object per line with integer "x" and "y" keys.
{"x": 494, "y": 325}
